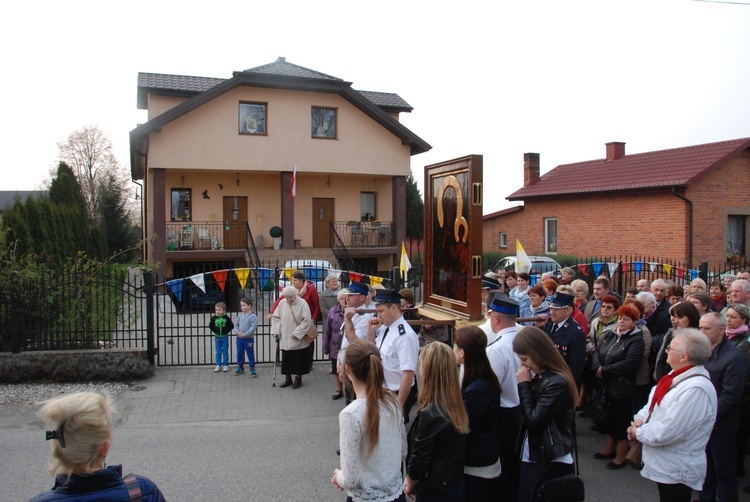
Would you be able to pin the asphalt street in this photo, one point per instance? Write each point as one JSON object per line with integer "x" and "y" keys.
{"x": 206, "y": 436}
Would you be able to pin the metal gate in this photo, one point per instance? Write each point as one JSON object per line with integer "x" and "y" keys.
{"x": 183, "y": 311}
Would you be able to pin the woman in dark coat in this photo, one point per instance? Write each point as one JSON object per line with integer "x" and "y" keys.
{"x": 332, "y": 338}
{"x": 615, "y": 364}
{"x": 548, "y": 396}
{"x": 481, "y": 392}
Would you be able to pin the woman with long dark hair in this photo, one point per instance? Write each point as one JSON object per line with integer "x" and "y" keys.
{"x": 437, "y": 438}
{"x": 372, "y": 438}
{"x": 548, "y": 397}
{"x": 481, "y": 392}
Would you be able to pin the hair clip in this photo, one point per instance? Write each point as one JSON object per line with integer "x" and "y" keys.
{"x": 58, "y": 434}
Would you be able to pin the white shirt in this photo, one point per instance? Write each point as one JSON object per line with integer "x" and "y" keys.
{"x": 376, "y": 477}
{"x": 399, "y": 352}
{"x": 505, "y": 363}
{"x": 360, "y": 329}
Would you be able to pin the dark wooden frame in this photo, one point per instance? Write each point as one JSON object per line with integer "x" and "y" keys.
{"x": 334, "y": 122}
{"x": 265, "y": 118}
{"x": 455, "y": 246}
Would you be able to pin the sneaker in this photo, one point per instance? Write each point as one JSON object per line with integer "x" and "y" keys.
{"x": 217, "y": 369}
{"x": 253, "y": 373}
{"x": 239, "y": 371}
{"x": 226, "y": 368}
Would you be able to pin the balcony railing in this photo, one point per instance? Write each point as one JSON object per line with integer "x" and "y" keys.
{"x": 365, "y": 234}
{"x": 210, "y": 235}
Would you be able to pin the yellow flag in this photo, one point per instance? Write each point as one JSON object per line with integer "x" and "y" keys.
{"x": 242, "y": 274}
{"x": 405, "y": 264}
{"x": 376, "y": 280}
{"x": 523, "y": 263}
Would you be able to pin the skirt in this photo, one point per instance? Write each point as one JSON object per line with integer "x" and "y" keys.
{"x": 295, "y": 362}
{"x": 620, "y": 416}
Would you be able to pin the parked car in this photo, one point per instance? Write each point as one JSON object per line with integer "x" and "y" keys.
{"x": 539, "y": 265}
{"x": 315, "y": 270}
{"x": 199, "y": 301}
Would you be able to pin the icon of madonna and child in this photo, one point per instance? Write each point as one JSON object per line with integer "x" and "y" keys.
{"x": 450, "y": 230}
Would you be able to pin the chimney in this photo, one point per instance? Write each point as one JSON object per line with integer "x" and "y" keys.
{"x": 615, "y": 150}
{"x": 530, "y": 168}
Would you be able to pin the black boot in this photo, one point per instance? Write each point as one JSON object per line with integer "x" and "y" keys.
{"x": 297, "y": 382}
{"x": 287, "y": 382}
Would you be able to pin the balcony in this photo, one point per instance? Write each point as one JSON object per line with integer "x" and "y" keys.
{"x": 365, "y": 234}
{"x": 206, "y": 235}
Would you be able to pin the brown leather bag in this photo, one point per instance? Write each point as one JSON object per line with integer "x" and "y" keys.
{"x": 633, "y": 458}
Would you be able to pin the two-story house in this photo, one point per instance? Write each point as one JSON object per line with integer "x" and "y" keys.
{"x": 217, "y": 160}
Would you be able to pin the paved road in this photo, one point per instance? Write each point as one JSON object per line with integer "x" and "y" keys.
{"x": 206, "y": 436}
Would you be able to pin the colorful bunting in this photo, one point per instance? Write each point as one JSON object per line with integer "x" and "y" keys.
{"x": 335, "y": 272}
{"x": 288, "y": 272}
{"x": 241, "y": 274}
{"x": 624, "y": 267}
{"x": 680, "y": 273}
{"x": 582, "y": 267}
{"x": 652, "y": 265}
{"x": 637, "y": 265}
{"x": 667, "y": 268}
{"x": 220, "y": 276}
{"x": 612, "y": 267}
{"x": 376, "y": 280}
{"x": 693, "y": 275}
{"x": 199, "y": 280}
{"x": 597, "y": 265}
{"x": 355, "y": 276}
{"x": 176, "y": 287}
{"x": 264, "y": 277}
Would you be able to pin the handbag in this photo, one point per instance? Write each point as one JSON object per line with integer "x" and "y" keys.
{"x": 597, "y": 406}
{"x": 567, "y": 488}
{"x": 312, "y": 333}
{"x": 633, "y": 458}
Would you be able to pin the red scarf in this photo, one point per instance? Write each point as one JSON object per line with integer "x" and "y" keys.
{"x": 664, "y": 385}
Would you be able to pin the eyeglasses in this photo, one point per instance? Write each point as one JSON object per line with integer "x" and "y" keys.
{"x": 670, "y": 349}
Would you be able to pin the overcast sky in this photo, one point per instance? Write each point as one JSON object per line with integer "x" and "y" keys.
{"x": 492, "y": 78}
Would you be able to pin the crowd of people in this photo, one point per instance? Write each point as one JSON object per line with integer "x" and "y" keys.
{"x": 496, "y": 403}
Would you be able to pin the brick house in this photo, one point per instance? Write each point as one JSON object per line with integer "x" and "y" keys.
{"x": 689, "y": 204}
{"x": 216, "y": 160}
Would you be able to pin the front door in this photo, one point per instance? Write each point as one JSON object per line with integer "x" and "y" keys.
{"x": 235, "y": 222}
{"x": 322, "y": 216}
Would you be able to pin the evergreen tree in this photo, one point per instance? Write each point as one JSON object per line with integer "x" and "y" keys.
{"x": 65, "y": 189}
{"x": 414, "y": 210}
{"x": 115, "y": 224}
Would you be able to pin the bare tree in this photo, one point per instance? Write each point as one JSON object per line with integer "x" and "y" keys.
{"x": 89, "y": 153}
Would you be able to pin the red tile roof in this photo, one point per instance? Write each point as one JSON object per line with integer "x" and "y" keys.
{"x": 677, "y": 167}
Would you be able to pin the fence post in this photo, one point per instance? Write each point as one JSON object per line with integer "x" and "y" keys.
{"x": 148, "y": 287}
{"x": 15, "y": 328}
{"x": 703, "y": 271}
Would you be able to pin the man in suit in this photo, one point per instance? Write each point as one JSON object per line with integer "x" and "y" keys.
{"x": 593, "y": 308}
{"x": 566, "y": 334}
{"x": 659, "y": 322}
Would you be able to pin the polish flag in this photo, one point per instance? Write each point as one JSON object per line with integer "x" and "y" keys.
{"x": 293, "y": 189}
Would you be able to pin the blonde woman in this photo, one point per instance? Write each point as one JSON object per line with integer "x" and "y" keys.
{"x": 80, "y": 428}
{"x": 372, "y": 438}
{"x": 437, "y": 438}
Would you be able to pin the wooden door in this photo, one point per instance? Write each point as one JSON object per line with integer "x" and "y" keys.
{"x": 322, "y": 216}
{"x": 235, "y": 222}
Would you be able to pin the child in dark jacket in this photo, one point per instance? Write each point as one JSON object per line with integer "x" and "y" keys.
{"x": 221, "y": 325}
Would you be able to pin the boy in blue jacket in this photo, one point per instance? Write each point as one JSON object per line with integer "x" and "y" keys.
{"x": 247, "y": 323}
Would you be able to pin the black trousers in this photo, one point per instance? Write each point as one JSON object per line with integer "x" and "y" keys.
{"x": 674, "y": 493}
{"x": 508, "y": 428}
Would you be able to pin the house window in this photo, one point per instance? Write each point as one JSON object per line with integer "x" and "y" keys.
{"x": 323, "y": 123}
{"x": 550, "y": 235}
{"x": 736, "y": 235}
{"x": 252, "y": 118}
{"x": 368, "y": 206}
{"x": 503, "y": 239}
{"x": 180, "y": 204}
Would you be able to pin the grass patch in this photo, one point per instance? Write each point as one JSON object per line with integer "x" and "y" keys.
{"x": 115, "y": 365}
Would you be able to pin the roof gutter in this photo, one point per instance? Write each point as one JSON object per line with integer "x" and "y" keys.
{"x": 690, "y": 226}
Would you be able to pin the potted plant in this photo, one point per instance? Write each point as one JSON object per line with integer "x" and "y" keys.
{"x": 275, "y": 232}
{"x": 375, "y": 223}
{"x": 351, "y": 223}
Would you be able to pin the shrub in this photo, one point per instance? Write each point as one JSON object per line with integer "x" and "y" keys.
{"x": 74, "y": 366}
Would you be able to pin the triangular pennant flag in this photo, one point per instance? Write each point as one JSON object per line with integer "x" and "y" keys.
{"x": 652, "y": 265}
{"x": 355, "y": 276}
{"x": 694, "y": 274}
{"x": 582, "y": 267}
{"x": 667, "y": 268}
{"x": 176, "y": 287}
{"x": 680, "y": 273}
{"x": 264, "y": 277}
{"x": 220, "y": 276}
{"x": 288, "y": 272}
{"x": 638, "y": 265}
{"x": 624, "y": 267}
{"x": 199, "y": 280}
{"x": 597, "y": 268}
{"x": 333, "y": 271}
{"x": 376, "y": 280}
{"x": 533, "y": 279}
{"x": 612, "y": 267}
{"x": 365, "y": 279}
{"x": 242, "y": 274}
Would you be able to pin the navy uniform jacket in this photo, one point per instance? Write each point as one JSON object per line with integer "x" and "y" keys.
{"x": 570, "y": 340}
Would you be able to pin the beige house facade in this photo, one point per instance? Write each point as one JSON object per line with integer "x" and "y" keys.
{"x": 216, "y": 161}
